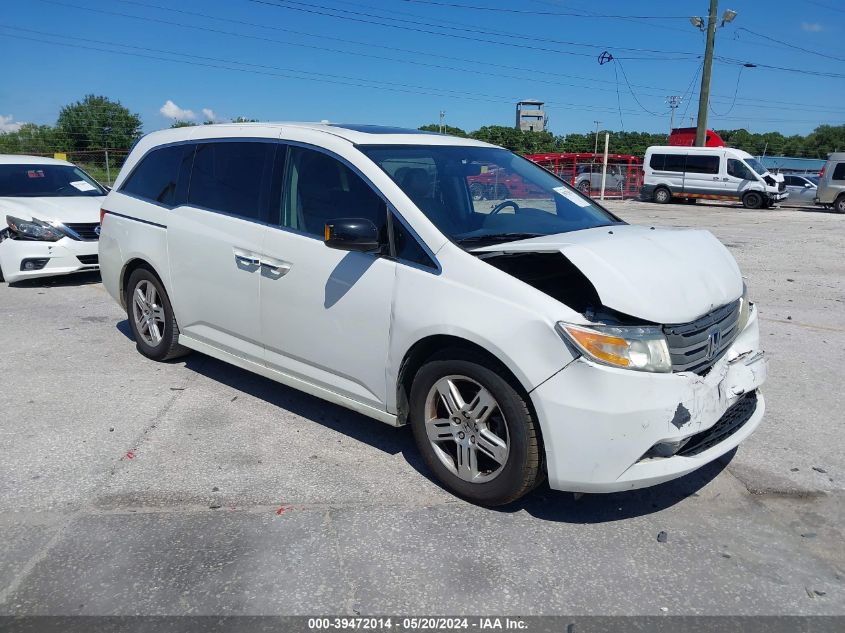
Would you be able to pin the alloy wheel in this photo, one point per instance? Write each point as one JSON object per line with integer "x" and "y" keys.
{"x": 467, "y": 428}
{"x": 148, "y": 313}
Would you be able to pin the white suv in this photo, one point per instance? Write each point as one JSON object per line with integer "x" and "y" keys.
{"x": 523, "y": 338}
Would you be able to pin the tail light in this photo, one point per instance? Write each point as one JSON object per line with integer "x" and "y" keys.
{"x": 102, "y": 215}
{"x": 821, "y": 173}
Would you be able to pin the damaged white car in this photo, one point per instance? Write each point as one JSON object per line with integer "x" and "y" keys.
{"x": 49, "y": 218}
{"x": 532, "y": 336}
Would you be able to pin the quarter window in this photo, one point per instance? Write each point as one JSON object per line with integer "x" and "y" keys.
{"x": 320, "y": 188}
{"x": 233, "y": 177}
{"x": 162, "y": 175}
{"x": 406, "y": 246}
{"x": 839, "y": 172}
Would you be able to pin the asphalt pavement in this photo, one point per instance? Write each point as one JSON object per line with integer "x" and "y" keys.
{"x": 129, "y": 487}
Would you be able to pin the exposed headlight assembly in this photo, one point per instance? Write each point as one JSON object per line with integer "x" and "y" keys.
{"x": 642, "y": 348}
{"x": 33, "y": 229}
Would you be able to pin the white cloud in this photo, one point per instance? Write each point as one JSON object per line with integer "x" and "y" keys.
{"x": 209, "y": 114}
{"x": 811, "y": 27}
{"x": 7, "y": 125}
{"x": 173, "y": 111}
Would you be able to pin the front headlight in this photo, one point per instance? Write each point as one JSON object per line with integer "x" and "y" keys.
{"x": 34, "y": 229}
{"x": 642, "y": 348}
{"x": 744, "y": 309}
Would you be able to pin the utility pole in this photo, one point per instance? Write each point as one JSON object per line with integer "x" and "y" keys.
{"x": 704, "y": 94}
{"x": 674, "y": 102}
{"x": 442, "y": 127}
{"x": 596, "y": 147}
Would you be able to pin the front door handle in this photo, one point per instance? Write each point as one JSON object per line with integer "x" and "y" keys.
{"x": 277, "y": 267}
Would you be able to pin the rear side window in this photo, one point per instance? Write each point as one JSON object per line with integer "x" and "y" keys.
{"x": 233, "y": 177}
{"x": 839, "y": 172}
{"x": 702, "y": 164}
{"x": 162, "y": 175}
{"x": 667, "y": 162}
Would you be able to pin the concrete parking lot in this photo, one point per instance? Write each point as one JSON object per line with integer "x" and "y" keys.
{"x": 193, "y": 487}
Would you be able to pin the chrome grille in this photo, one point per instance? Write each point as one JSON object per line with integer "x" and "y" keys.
{"x": 87, "y": 231}
{"x": 696, "y": 346}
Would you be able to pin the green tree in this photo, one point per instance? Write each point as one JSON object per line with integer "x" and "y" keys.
{"x": 451, "y": 130}
{"x": 97, "y": 122}
{"x": 32, "y": 139}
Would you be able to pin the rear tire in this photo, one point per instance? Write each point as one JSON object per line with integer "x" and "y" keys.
{"x": 151, "y": 317}
{"x": 662, "y": 195}
{"x": 752, "y": 200}
{"x": 839, "y": 205}
{"x": 482, "y": 444}
{"x": 584, "y": 187}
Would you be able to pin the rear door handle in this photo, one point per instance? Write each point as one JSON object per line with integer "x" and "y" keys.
{"x": 276, "y": 266}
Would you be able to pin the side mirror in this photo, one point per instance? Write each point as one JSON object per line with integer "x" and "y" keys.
{"x": 807, "y": 184}
{"x": 352, "y": 234}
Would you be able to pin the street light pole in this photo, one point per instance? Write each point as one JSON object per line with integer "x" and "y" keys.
{"x": 704, "y": 95}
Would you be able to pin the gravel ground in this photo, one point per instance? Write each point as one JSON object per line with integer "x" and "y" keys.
{"x": 192, "y": 487}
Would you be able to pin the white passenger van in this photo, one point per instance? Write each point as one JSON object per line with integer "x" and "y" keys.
{"x": 712, "y": 173}
{"x": 519, "y": 338}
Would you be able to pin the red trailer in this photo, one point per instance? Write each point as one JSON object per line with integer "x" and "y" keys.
{"x": 685, "y": 137}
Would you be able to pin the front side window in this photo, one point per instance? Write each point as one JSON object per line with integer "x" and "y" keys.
{"x": 320, "y": 188}
{"x": 233, "y": 177}
{"x": 481, "y": 194}
{"x": 756, "y": 166}
{"x": 738, "y": 169}
{"x": 157, "y": 176}
{"x": 46, "y": 181}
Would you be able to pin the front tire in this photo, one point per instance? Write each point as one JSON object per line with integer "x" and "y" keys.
{"x": 151, "y": 317}
{"x": 752, "y": 200}
{"x": 474, "y": 430}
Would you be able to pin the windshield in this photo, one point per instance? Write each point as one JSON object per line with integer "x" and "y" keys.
{"x": 756, "y": 166}
{"x": 481, "y": 194}
{"x": 49, "y": 181}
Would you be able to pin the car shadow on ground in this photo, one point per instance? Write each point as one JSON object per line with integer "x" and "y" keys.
{"x": 62, "y": 281}
{"x": 543, "y": 503}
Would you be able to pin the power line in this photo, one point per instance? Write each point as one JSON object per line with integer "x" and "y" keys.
{"x": 792, "y": 46}
{"x": 283, "y": 72}
{"x": 371, "y": 45}
{"x": 802, "y": 71}
{"x": 332, "y": 12}
{"x": 733, "y": 103}
{"x": 572, "y": 14}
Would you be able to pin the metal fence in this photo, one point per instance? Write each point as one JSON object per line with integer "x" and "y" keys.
{"x": 100, "y": 164}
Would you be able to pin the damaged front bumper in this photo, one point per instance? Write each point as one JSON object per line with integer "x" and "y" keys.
{"x": 46, "y": 259}
{"x": 607, "y": 429}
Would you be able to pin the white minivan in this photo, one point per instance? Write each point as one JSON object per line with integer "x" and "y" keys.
{"x": 711, "y": 173}
{"x": 520, "y": 338}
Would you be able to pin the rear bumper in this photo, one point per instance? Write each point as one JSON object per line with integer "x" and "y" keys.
{"x": 599, "y": 423}
{"x": 63, "y": 258}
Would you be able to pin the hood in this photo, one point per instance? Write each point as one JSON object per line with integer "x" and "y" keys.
{"x": 661, "y": 275}
{"x": 74, "y": 209}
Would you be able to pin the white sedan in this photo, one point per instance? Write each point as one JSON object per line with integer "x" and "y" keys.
{"x": 50, "y": 214}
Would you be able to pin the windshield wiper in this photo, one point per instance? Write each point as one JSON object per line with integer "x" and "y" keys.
{"x": 498, "y": 237}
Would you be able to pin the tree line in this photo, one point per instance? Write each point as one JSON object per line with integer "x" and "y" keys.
{"x": 818, "y": 144}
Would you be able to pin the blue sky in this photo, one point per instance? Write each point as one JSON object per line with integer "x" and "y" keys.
{"x": 262, "y": 60}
